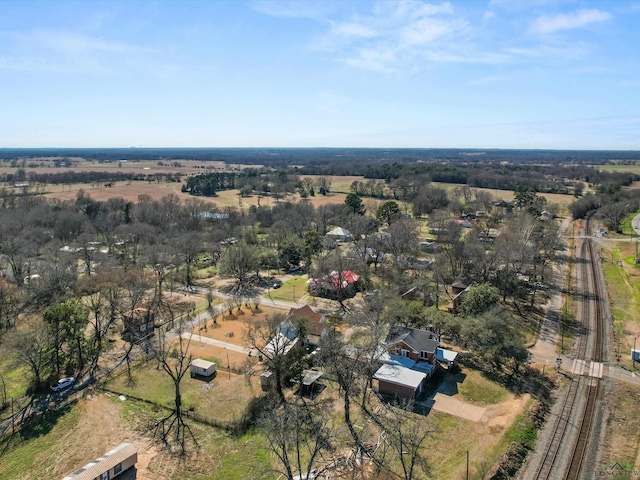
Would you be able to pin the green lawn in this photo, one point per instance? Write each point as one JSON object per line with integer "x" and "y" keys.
{"x": 477, "y": 388}
{"x": 220, "y": 456}
{"x": 290, "y": 291}
{"x": 624, "y": 293}
{"x": 24, "y": 457}
{"x": 225, "y": 400}
{"x": 16, "y": 377}
{"x": 34, "y": 452}
{"x": 620, "y": 168}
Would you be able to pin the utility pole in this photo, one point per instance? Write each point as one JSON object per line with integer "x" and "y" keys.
{"x": 467, "y": 465}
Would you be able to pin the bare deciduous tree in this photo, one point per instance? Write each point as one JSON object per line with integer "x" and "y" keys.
{"x": 174, "y": 358}
{"x": 299, "y": 437}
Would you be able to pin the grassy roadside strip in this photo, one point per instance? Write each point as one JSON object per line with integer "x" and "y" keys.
{"x": 624, "y": 296}
{"x": 567, "y": 312}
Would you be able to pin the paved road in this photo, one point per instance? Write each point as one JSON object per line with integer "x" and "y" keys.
{"x": 635, "y": 223}
{"x": 219, "y": 343}
{"x": 609, "y": 371}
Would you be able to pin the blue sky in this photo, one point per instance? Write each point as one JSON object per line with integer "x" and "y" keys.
{"x": 485, "y": 74}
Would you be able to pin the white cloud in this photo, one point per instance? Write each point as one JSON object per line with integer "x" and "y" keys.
{"x": 569, "y": 21}
{"x": 489, "y": 15}
{"x": 60, "y": 51}
{"x": 427, "y": 30}
{"x": 315, "y": 10}
{"x": 392, "y": 33}
{"x": 487, "y": 80}
{"x": 353, "y": 29}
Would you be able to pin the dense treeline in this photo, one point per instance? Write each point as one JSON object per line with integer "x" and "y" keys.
{"x": 208, "y": 184}
{"x": 610, "y": 207}
{"x": 322, "y": 156}
{"x": 68, "y": 177}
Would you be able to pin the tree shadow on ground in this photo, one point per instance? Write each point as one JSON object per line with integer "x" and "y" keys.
{"x": 42, "y": 423}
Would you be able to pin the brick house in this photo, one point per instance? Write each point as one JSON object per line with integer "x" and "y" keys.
{"x": 411, "y": 361}
{"x": 414, "y": 343}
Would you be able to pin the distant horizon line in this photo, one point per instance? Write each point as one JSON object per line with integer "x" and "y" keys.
{"x": 334, "y": 148}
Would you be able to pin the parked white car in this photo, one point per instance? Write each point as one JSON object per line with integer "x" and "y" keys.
{"x": 63, "y": 383}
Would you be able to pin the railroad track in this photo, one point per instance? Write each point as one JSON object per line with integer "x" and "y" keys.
{"x": 560, "y": 434}
{"x": 593, "y": 389}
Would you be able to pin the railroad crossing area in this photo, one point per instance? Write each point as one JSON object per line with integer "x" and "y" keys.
{"x": 587, "y": 368}
{"x": 591, "y": 369}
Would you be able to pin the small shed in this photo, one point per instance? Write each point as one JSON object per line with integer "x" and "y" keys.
{"x": 109, "y": 465}
{"x": 309, "y": 379}
{"x": 202, "y": 368}
{"x": 267, "y": 381}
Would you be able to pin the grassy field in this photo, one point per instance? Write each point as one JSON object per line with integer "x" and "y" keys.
{"x": 222, "y": 399}
{"x": 291, "y": 291}
{"x": 623, "y": 278}
{"x": 31, "y": 446}
{"x": 59, "y": 445}
{"x": 622, "y": 437}
{"x": 16, "y": 376}
{"x": 477, "y": 388}
{"x": 619, "y": 168}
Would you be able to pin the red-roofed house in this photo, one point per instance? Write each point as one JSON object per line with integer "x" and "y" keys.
{"x": 336, "y": 286}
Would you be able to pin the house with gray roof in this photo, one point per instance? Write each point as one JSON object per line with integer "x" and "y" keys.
{"x": 414, "y": 343}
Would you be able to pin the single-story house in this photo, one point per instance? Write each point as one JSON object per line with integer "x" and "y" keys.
{"x": 315, "y": 324}
{"x": 399, "y": 381}
{"x": 429, "y": 246}
{"x": 202, "y": 368}
{"x": 464, "y": 223}
{"x": 414, "y": 263}
{"x": 455, "y": 302}
{"x": 458, "y": 286}
{"x": 339, "y": 234}
{"x": 279, "y": 345}
{"x": 138, "y": 323}
{"x": 108, "y": 466}
{"x": 335, "y": 286}
{"x": 488, "y": 235}
{"x": 369, "y": 255}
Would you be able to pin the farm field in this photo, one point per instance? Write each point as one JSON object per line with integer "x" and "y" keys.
{"x": 635, "y": 168}
{"x": 146, "y": 167}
